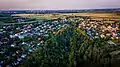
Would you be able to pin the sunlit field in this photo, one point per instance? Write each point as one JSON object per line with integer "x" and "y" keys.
{"x": 108, "y": 16}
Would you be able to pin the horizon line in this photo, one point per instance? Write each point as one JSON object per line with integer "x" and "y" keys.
{"x": 64, "y": 9}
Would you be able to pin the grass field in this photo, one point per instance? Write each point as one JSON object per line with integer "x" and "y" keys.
{"x": 95, "y": 16}
{"x": 41, "y": 16}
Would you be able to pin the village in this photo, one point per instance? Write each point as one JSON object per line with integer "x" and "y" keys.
{"x": 18, "y": 41}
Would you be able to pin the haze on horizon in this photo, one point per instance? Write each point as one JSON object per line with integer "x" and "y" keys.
{"x": 58, "y": 4}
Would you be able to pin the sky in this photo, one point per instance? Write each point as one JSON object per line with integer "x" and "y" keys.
{"x": 59, "y": 4}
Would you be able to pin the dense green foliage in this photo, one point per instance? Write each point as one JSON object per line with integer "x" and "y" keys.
{"x": 69, "y": 48}
{"x": 7, "y": 20}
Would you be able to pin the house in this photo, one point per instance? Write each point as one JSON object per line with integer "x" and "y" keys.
{"x": 21, "y": 37}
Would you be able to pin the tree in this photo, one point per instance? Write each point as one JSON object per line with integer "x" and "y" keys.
{"x": 72, "y": 54}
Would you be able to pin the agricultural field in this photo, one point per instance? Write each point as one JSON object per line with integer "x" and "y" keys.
{"x": 111, "y": 16}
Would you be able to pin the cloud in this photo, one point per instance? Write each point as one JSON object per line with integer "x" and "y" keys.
{"x": 58, "y": 4}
